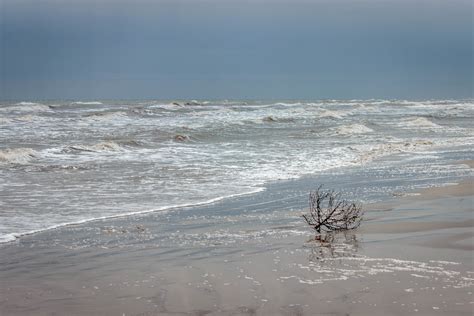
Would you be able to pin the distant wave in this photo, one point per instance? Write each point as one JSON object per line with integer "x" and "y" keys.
{"x": 288, "y": 104}
{"x": 419, "y": 122}
{"x": 168, "y": 106}
{"x": 409, "y": 103}
{"x": 21, "y": 118}
{"x": 87, "y": 103}
{"x": 17, "y": 155}
{"x": 26, "y": 103}
{"x": 353, "y": 129}
{"x": 272, "y": 119}
{"x": 26, "y": 107}
{"x": 332, "y": 114}
{"x": 99, "y": 116}
{"x": 188, "y": 103}
{"x": 195, "y": 102}
{"x": 99, "y": 147}
{"x": 26, "y": 118}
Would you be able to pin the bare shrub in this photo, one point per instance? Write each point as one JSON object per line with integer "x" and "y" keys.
{"x": 329, "y": 211}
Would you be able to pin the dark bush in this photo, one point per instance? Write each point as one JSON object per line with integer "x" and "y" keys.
{"x": 329, "y": 211}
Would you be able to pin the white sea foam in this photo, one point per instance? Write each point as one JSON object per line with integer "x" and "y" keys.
{"x": 288, "y": 104}
{"x": 341, "y": 267}
{"x": 26, "y": 103}
{"x": 99, "y": 147}
{"x": 105, "y": 116}
{"x": 26, "y": 107}
{"x": 4, "y": 238}
{"x": 333, "y": 114}
{"x": 353, "y": 129}
{"x": 168, "y": 106}
{"x": 26, "y": 118}
{"x": 7, "y": 238}
{"x": 419, "y": 122}
{"x": 87, "y": 103}
{"x": 370, "y": 152}
{"x": 17, "y": 155}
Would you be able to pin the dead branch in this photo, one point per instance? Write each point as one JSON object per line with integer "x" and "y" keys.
{"x": 328, "y": 211}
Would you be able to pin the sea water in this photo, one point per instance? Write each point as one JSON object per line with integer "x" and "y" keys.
{"x": 65, "y": 162}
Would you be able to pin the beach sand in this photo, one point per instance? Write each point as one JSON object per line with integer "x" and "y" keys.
{"x": 412, "y": 255}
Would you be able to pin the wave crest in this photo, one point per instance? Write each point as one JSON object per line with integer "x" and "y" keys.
{"x": 332, "y": 114}
{"x": 382, "y": 150}
{"x": 419, "y": 122}
{"x": 27, "y": 107}
{"x": 99, "y": 147}
{"x": 353, "y": 129}
{"x": 17, "y": 155}
{"x": 103, "y": 116}
{"x": 87, "y": 103}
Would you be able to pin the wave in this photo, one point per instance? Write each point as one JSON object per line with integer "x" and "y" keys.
{"x": 27, "y": 107}
{"x": 87, "y": 103}
{"x": 59, "y": 168}
{"x": 17, "y": 155}
{"x": 288, "y": 104}
{"x": 20, "y": 119}
{"x": 99, "y": 116}
{"x": 419, "y": 122}
{"x": 353, "y": 129}
{"x": 26, "y": 118}
{"x": 272, "y": 119}
{"x": 188, "y": 103}
{"x": 26, "y": 103}
{"x": 168, "y": 106}
{"x": 108, "y": 146}
{"x": 333, "y": 114}
{"x": 381, "y": 150}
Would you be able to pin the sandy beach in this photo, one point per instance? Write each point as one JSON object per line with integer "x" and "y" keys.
{"x": 411, "y": 256}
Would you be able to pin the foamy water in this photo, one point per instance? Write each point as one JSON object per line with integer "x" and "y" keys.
{"x": 69, "y": 162}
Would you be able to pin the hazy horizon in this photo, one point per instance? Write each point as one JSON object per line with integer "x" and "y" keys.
{"x": 345, "y": 49}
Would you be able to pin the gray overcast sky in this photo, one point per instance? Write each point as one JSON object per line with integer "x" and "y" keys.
{"x": 218, "y": 49}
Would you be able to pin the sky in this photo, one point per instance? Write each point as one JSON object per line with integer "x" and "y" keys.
{"x": 228, "y": 49}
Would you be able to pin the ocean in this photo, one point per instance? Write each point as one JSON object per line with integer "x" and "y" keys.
{"x": 65, "y": 162}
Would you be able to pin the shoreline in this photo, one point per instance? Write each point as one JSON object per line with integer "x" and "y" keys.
{"x": 406, "y": 258}
{"x": 16, "y": 236}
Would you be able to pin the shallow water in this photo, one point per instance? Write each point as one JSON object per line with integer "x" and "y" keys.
{"x": 67, "y": 162}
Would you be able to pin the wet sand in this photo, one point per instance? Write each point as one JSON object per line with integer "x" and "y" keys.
{"x": 411, "y": 256}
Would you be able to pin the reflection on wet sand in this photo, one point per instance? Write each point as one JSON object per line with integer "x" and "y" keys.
{"x": 332, "y": 245}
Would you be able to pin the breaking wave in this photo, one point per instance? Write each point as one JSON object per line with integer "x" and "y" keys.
{"x": 369, "y": 153}
{"x": 99, "y": 147}
{"x": 168, "y": 106}
{"x": 353, "y": 129}
{"x": 103, "y": 116}
{"x": 333, "y": 114}
{"x": 87, "y": 103}
{"x": 17, "y": 155}
{"x": 27, "y": 107}
{"x": 419, "y": 122}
